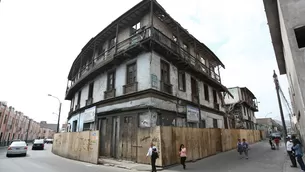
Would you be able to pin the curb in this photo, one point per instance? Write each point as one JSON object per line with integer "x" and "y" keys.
{"x": 127, "y": 168}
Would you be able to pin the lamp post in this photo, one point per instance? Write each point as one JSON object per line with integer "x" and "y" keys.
{"x": 277, "y": 87}
{"x": 58, "y": 112}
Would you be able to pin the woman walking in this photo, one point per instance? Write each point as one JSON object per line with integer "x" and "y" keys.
{"x": 182, "y": 154}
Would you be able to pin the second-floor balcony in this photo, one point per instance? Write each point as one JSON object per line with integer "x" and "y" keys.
{"x": 129, "y": 48}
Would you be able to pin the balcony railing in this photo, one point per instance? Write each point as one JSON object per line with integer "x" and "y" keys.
{"x": 193, "y": 61}
{"x": 165, "y": 87}
{"x": 108, "y": 55}
{"x": 109, "y": 94}
{"x": 133, "y": 40}
{"x": 130, "y": 88}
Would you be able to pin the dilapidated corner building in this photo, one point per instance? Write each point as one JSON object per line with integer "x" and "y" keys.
{"x": 143, "y": 70}
{"x": 241, "y": 108}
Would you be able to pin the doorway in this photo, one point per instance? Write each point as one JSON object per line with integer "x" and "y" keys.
{"x": 115, "y": 137}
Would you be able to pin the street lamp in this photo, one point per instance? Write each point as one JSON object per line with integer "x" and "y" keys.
{"x": 58, "y": 112}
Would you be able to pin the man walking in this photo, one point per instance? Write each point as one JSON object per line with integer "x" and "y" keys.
{"x": 290, "y": 152}
{"x": 150, "y": 152}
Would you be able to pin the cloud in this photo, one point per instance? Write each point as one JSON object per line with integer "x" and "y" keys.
{"x": 40, "y": 40}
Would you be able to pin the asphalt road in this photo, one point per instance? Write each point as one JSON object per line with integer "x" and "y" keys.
{"x": 46, "y": 161}
{"x": 261, "y": 159}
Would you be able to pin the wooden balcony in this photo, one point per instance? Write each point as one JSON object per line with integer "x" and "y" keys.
{"x": 184, "y": 55}
{"x": 109, "y": 94}
{"x": 165, "y": 87}
{"x": 130, "y": 88}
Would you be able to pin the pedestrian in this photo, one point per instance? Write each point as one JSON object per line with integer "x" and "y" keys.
{"x": 154, "y": 157}
{"x": 182, "y": 154}
{"x": 277, "y": 142}
{"x": 297, "y": 147}
{"x": 149, "y": 154}
{"x": 290, "y": 152}
{"x": 245, "y": 148}
{"x": 239, "y": 148}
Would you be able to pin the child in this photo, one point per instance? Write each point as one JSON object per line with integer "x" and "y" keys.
{"x": 245, "y": 147}
{"x": 239, "y": 148}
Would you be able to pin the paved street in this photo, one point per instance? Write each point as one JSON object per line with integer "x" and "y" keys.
{"x": 38, "y": 161}
{"x": 261, "y": 159}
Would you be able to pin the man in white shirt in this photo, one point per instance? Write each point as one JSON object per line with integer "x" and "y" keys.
{"x": 289, "y": 146}
{"x": 149, "y": 153}
{"x": 150, "y": 149}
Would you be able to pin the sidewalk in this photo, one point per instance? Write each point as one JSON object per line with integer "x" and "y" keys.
{"x": 287, "y": 168}
{"x": 128, "y": 165}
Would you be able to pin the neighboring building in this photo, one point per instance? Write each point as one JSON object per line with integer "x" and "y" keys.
{"x": 15, "y": 125}
{"x": 143, "y": 70}
{"x": 241, "y": 108}
{"x": 287, "y": 28}
{"x": 268, "y": 125}
{"x": 47, "y": 130}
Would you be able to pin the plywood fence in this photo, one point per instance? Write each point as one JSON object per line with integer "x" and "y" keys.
{"x": 82, "y": 146}
{"x": 200, "y": 143}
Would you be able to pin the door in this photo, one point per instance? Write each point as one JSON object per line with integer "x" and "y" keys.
{"x": 115, "y": 137}
{"x": 102, "y": 128}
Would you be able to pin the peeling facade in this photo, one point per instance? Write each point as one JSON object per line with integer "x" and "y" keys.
{"x": 241, "y": 108}
{"x": 144, "y": 70}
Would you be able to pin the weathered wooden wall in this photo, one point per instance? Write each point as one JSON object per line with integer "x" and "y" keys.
{"x": 200, "y": 143}
{"x": 82, "y": 146}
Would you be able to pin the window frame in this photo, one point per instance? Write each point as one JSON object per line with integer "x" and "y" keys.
{"x": 134, "y": 72}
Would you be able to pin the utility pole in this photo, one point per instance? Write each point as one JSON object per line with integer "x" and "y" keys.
{"x": 27, "y": 133}
{"x": 277, "y": 88}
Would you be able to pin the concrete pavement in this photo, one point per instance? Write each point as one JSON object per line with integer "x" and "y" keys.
{"x": 46, "y": 161}
{"x": 261, "y": 159}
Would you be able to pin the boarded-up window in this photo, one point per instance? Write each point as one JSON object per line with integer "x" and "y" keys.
{"x": 181, "y": 80}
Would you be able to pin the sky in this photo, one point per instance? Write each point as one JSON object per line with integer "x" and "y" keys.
{"x": 39, "y": 41}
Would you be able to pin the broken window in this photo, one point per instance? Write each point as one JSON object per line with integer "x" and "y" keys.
{"x": 135, "y": 28}
{"x": 181, "y": 80}
{"x": 79, "y": 97}
{"x": 90, "y": 93}
{"x": 300, "y": 36}
{"x": 215, "y": 124}
{"x": 206, "y": 92}
{"x": 111, "y": 81}
{"x": 161, "y": 16}
{"x": 175, "y": 38}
